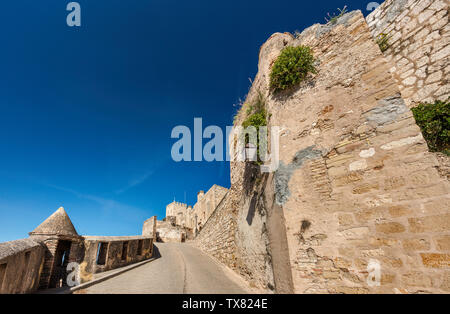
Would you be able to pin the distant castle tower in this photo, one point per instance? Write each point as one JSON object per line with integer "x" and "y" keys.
{"x": 180, "y": 214}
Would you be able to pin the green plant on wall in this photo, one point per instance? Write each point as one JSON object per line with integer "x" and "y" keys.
{"x": 256, "y": 113}
{"x": 383, "y": 41}
{"x": 332, "y": 19}
{"x": 256, "y": 117}
{"x": 292, "y": 67}
{"x": 434, "y": 121}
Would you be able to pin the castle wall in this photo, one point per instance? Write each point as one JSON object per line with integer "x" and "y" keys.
{"x": 167, "y": 231}
{"x": 116, "y": 252}
{"x": 252, "y": 239}
{"x": 419, "y": 49}
{"x": 21, "y": 263}
{"x": 30, "y": 264}
{"x": 179, "y": 212}
{"x": 217, "y": 236}
{"x": 357, "y": 186}
{"x": 235, "y": 233}
{"x": 149, "y": 228}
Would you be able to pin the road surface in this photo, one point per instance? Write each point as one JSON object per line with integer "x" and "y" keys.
{"x": 181, "y": 268}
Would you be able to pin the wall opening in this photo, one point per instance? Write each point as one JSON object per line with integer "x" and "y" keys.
{"x": 2, "y": 274}
{"x": 59, "y": 274}
{"x": 139, "y": 248}
{"x": 124, "y": 251}
{"x": 102, "y": 253}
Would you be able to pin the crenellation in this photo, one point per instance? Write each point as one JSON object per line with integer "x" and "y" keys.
{"x": 184, "y": 221}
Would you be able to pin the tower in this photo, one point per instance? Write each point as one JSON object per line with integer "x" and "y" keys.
{"x": 62, "y": 241}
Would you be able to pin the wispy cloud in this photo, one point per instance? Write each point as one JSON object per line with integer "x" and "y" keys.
{"x": 135, "y": 182}
{"x": 139, "y": 179}
{"x": 108, "y": 206}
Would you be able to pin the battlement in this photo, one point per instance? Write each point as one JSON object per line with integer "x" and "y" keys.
{"x": 194, "y": 217}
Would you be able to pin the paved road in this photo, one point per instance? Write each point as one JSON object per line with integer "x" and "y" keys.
{"x": 181, "y": 268}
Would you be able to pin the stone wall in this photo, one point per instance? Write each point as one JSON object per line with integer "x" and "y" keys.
{"x": 178, "y": 212}
{"x": 21, "y": 263}
{"x": 252, "y": 238}
{"x": 357, "y": 186}
{"x": 99, "y": 254}
{"x": 419, "y": 49}
{"x": 168, "y": 231}
{"x": 193, "y": 218}
{"x": 236, "y": 232}
{"x": 42, "y": 261}
{"x": 217, "y": 236}
{"x": 149, "y": 228}
{"x": 206, "y": 204}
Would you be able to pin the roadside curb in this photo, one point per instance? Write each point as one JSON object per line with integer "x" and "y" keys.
{"x": 106, "y": 277}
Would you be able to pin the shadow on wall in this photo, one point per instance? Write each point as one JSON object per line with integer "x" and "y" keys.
{"x": 156, "y": 253}
{"x": 251, "y": 176}
{"x": 254, "y": 182}
{"x": 252, "y": 208}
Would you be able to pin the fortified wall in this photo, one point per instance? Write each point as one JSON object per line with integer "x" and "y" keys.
{"x": 358, "y": 204}
{"x": 217, "y": 237}
{"x": 42, "y": 260}
{"x": 184, "y": 222}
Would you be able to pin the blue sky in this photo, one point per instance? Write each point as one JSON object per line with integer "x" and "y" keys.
{"x": 86, "y": 113}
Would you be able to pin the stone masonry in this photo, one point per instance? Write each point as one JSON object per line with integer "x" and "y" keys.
{"x": 357, "y": 188}
{"x": 358, "y": 203}
{"x": 193, "y": 218}
{"x": 217, "y": 237}
{"x": 44, "y": 260}
{"x": 419, "y": 40}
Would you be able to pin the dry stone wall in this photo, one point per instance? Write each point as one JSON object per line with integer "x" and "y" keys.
{"x": 419, "y": 39}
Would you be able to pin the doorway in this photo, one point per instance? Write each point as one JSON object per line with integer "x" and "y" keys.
{"x": 59, "y": 274}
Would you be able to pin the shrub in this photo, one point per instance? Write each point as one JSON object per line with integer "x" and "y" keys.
{"x": 383, "y": 41}
{"x": 291, "y": 67}
{"x": 256, "y": 119}
{"x": 434, "y": 121}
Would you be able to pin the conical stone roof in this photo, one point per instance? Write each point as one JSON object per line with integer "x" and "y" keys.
{"x": 58, "y": 224}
